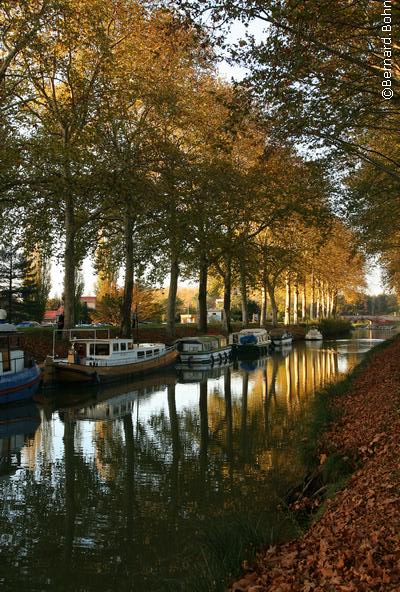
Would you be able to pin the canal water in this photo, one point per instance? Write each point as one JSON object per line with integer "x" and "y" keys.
{"x": 158, "y": 485}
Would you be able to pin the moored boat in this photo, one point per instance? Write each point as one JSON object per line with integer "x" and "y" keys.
{"x": 19, "y": 374}
{"x": 281, "y": 338}
{"x": 313, "y": 334}
{"x": 102, "y": 360}
{"x": 250, "y": 342}
{"x": 204, "y": 349}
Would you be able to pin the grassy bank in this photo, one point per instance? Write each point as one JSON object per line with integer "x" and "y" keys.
{"x": 349, "y": 503}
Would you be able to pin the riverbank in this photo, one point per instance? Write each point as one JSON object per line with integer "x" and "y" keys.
{"x": 355, "y": 545}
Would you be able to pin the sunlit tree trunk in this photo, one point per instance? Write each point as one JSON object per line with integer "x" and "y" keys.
{"x": 312, "y": 303}
{"x": 173, "y": 289}
{"x": 304, "y": 301}
{"x": 295, "y": 301}
{"x": 318, "y": 302}
{"x": 203, "y": 276}
{"x": 287, "y": 299}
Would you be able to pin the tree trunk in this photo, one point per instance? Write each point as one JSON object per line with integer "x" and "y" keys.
{"x": 318, "y": 303}
{"x": 312, "y": 303}
{"x": 227, "y": 294}
{"x": 263, "y": 315}
{"x": 69, "y": 265}
{"x": 304, "y": 301}
{"x": 173, "y": 289}
{"x": 334, "y": 303}
{"x": 243, "y": 295}
{"x": 287, "y": 300}
{"x": 202, "y": 325}
{"x": 274, "y": 307}
{"x": 126, "y": 308}
{"x": 10, "y": 288}
{"x": 296, "y": 302}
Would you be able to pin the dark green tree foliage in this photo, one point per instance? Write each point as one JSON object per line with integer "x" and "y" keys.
{"x": 24, "y": 284}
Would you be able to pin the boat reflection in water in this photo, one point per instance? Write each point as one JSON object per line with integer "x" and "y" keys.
{"x": 18, "y": 424}
{"x": 145, "y": 485}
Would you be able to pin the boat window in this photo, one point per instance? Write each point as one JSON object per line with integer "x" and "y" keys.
{"x": 123, "y": 346}
{"x": 156, "y": 351}
{"x": 140, "y": 354}
{"x": 130, "y": 345}
{"x": 99, "y": 349}
{"x": 115, "y": 347}
{"x": 149, "y": 353}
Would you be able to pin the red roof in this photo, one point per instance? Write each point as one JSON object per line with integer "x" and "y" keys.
{"x": 51, "y": 315}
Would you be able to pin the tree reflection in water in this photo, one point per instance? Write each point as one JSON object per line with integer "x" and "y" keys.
{"x": 160, "y": 486}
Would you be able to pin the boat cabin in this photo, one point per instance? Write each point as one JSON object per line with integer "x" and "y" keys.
{"x": 203, "y": 344}
{"x": 110, "y": 352}
{"x": 12, "y": 357}
{"x": 250, "y": 337}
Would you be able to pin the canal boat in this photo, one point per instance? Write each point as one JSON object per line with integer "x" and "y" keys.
{"x": 281, "y": 338}
{"x": 101, "y": 360}
{"x": 19, "y": 374}
{"x": 250, "y": 342}
{"x": 205, "y": 349}
{"x": 313, "y": 334}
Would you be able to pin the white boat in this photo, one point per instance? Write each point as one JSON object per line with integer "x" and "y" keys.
{"x": 282, "y": 338}
{"x": 250, "y": 341}
{"x": 313, "y": 334}
{"x": 203, "y": 350}
{"x": 100, "y": 360}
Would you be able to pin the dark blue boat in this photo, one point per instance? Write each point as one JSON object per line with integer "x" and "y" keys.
{"x": 19, "y": 375}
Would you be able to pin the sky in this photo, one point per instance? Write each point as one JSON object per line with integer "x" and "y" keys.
{"x": 227, "y": 71}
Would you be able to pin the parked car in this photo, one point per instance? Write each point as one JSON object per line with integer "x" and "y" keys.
{"x": 24, "y": 324}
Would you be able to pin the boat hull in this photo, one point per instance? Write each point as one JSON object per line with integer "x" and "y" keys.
{"x": 280, "y": 342}
{"x": 20, "y": 386}
{"x": 217, "y": 356}
{"x": 251, "y": 350}
{"x": 313, "y": 338}
{"x": 79, "y": 373}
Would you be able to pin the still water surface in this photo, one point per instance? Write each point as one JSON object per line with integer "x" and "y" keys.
{"x": 154, "y": 485}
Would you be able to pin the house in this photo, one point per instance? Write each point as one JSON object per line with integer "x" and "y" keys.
{"x": 51, "y": 316}
{"x": 90, "y": 302}
{"x": 215, "y": 315}
{"x": 188, "y": 319}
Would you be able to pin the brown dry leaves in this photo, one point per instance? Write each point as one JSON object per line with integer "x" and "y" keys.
{"x": 355, "y": 547}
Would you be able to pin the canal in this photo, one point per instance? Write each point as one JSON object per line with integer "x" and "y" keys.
{"x": 158, "y": 485}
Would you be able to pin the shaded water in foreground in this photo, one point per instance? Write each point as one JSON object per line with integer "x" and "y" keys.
{"x": 157, "y": 485}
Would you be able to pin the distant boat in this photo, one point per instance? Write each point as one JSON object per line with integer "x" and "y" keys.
{"x": 99, "y": 361}
{"x": 204, "y": 349}
{"x": 19, "y": 374}
{"x": 250, "y": 341}
{"x": 282, "y": 338}
{"x": 313, "y": 334}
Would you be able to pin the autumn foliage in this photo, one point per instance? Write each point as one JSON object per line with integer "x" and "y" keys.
{"x": 355, "y": 546}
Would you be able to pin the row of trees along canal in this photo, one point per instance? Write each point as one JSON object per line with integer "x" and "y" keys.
{"x": 119, "y": 139}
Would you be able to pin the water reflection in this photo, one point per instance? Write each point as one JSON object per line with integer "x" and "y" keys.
{"x": 145, "y": 485}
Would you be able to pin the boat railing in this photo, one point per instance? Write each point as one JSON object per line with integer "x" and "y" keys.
{"x": 70, "y": 334}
